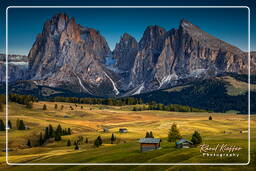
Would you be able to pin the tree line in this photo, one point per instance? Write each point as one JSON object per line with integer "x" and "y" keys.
{"x": 171, "y": 107}
{"x": 103, "y": 101}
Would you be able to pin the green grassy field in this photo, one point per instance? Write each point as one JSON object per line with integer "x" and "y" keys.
{"x": 89, "y": 122}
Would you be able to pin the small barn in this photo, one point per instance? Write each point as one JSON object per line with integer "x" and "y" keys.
{"x": 105, "y": 130}
{"x": 123, "y": 130}
{"x": 183, "y": 143}
{"x": 148, "y": 144}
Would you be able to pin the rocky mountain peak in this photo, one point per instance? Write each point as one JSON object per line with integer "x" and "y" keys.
{"x": 125, "y": 52}
{"x": 152, "y": 38}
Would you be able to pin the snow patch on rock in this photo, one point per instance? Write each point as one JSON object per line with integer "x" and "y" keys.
{"x": 141, "y": 87}
{"x": 81, "y": 84}
{"x": 167, "y": 79}
{"x": 113, "y": 84}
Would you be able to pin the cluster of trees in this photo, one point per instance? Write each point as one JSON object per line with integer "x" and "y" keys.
{"x": 51, "y": 133}
{"x": 108, "y": 101}
{"x": 20, "y": 125}
{"x": 174, "y": 135}
{"x": 23, "y": 99}
{"x": 149, "y": 135}
{"x": 77, "y": 142}
{"x": 171, "y": 107}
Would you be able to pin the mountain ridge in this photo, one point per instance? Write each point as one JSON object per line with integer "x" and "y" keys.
{"x": 77, "y": 58}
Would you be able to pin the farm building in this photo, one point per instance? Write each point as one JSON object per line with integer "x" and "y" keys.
{"x": 183, "y": 143}
{"x": 123, "y": 130}
{"x": 148, "y": 144}
{"x": 105, "y": 130}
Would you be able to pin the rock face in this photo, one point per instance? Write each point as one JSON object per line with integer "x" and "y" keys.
{"x": 186, "y": 52}
{"x": 69, "y": 56}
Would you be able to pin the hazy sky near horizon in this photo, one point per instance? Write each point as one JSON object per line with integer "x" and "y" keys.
{"x": 230, "y": 25}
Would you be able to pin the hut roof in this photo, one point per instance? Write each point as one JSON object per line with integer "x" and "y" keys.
{"x": 182, "y": 141}
{"x": 149, "y": 140}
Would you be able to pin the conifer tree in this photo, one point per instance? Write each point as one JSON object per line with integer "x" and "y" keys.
{"x": 59, "y": 130}
{"x": 147, "y": 135}
{"x": 210, "y": 118}
{"x": 174, "y": 133}
{"x": 29, "y": 143}
{"x": 46, "y": 134}
{"x": 56, "y": 106}
{"x": 21, "y": 125}
{"x": 151, "y": 134}
{"x": 113, "y": 138}
{"x": 61, "y": 108}
{"x": 51, "y": 131}
{"x": 44, "y": 107}
{"x": 86, "y": 140}
{"x": 2, "y": 126}
{"x": 96, "y": 143}
{"x": 76, "y": 146}
{"x": 9, "y": 124}
{"x": 196, "y": 138}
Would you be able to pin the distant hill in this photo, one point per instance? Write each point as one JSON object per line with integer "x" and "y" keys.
{"x": 219, "y": 94}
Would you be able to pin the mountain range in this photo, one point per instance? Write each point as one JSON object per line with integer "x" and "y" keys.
{"x": 71, "y": 57}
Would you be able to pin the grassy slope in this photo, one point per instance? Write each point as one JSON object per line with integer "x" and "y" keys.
{"x": 89, "y": 123}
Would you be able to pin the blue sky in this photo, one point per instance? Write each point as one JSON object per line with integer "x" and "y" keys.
{"x": 230, "y": 25}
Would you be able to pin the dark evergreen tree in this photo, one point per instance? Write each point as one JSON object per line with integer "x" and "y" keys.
{"x": 9, "y": 124}
{"x": 151, "y": 134}
{"x": 61, "y": 108}
{"x": 174, "y": 133}
{"x": 69, "y": 143}
{"x": 29, "y": 143}
{"x": 210, "y": 118}
{"x": 56, "y": 106}
{"x": 86, "y": 140}
{"x": 113, "y": 138}
{"x": 76, "y": 146}
{"x": 196, "y": 138}
{"x": 147, "y": 135}
{"x": 100, "y": 140}
{"x": 46, "y": 134}
{"x": 44, "y": 107}
{"x": 51, "y": 131}
{"x": 21, "y": 125}
{"x": 96, "y": 143}
{"x": 2, "y": 126}
{"x": 59, "y": 130}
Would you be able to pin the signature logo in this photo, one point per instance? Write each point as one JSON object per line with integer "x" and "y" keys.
{"x": 220, "y": 150}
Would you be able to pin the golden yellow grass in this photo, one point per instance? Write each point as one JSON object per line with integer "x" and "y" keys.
{"x": 90, "y": 121}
